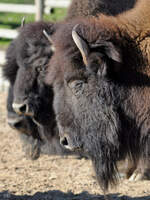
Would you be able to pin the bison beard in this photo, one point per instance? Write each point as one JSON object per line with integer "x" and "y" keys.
{"x": 93, "y": 127}
{"x": 102, "y": 142}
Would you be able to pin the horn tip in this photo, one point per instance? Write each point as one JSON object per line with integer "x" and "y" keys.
{"x": 75, "y": 27}
{"x": 23, "y": 22}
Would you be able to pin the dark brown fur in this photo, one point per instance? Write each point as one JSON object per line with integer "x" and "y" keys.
{"x": 26, "y": 62}
{"x": 94, "y": 7}
{"x": 77, "y": 8}
{"x": 26, "y": 51}
{"x": 103, "y": 109}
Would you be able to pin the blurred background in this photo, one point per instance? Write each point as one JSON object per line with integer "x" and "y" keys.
{"x": 11, "y": 14}
{"x": 12, "y": 11}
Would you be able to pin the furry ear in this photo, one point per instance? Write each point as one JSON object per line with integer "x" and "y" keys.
{"x": 104, "y": 57}
{"x": 97, "y": 56}
{"x": 108, "y": 49}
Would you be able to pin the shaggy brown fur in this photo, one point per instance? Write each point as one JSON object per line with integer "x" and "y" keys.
{"x": 94, "y": 7}
{"x": 129, "y": 31}
{"x": 18, "y": 54}
{"x": 83, "y": 8}
{"x": 26, "y": 60}
{"x": 103, "y": 109}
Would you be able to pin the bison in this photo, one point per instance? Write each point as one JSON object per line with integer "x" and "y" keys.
{"x": 100, "y": 77}
{"x": 29, "y": 102}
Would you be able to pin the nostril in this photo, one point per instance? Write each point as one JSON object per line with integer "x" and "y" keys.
{"x": 20, "y": 108}
{"x": 23, "y": 108}
{"x": 64, "y": 141}
{"x": 17, "y": 125}
{"x": 15, "y": 122}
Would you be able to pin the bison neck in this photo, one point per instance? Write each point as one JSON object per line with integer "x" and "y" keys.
{"x": 132, "y": 31}
{"x": 136, "y": 24}
{"x": 136, "y": 21}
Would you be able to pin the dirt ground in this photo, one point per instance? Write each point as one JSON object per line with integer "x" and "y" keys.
{"x": 52, "y": 177}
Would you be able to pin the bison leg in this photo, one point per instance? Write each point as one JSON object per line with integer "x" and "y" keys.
{"x": 142, "y": 172}
{"x": 131, "y": 167}
{"x": 30, "y": 146}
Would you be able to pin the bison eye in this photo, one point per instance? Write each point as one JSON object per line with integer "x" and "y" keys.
{"x": 76, "y": 86}
{"x": 39, "y": 69}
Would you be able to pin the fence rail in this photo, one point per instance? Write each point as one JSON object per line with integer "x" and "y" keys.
{"x": 2, "y": 57}
{"x": 3, "y": 83}
{"x": 58, "y": 3}
{"x": 8, "y": 33}
{"x": 17, "y": 8}
{"x": 23, "y": 8}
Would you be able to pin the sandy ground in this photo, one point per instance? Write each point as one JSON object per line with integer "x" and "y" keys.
{"x": 52, "y": 177}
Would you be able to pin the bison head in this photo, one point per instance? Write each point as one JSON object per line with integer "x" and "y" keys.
{"x": 30, "y": 92}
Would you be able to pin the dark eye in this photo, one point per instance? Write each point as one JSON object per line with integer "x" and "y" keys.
{"x": 39, "y": 69}
{"x": 76, "y": 86}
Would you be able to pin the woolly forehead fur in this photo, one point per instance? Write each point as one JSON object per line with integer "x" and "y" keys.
{"x": 30, "y": 30}
{"x": 67, "y": 52}
{"x": 129, "y": 31}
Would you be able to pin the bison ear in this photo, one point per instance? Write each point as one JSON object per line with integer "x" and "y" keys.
{"x": 109, "y": 49}
{"x": 112, "y": 52}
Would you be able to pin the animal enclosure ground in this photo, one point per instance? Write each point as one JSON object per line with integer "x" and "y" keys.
{"x": 52, "y": 177}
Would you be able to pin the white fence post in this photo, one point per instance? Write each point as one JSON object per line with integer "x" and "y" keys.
{"x": 39, "y": 9}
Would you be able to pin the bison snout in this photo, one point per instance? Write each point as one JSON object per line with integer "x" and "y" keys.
{"x": 65, "y": 143}
{"x": 22, "y": 108}
{"x": 15, "y": 122}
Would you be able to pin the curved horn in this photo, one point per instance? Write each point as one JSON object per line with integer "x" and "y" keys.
{"x": 49, "y": 39}
{"x": 47, "y": 36}
{"x": 23, "y": 22}
{"x": 81, "y": 44}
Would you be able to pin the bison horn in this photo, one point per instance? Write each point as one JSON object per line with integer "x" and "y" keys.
{"x": 49, "y": 39}
{"x": 81, "y": 44}
{"x": 23, "y": 22}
